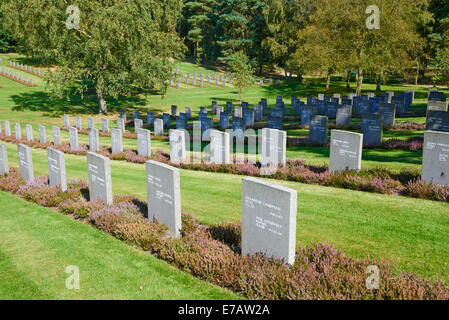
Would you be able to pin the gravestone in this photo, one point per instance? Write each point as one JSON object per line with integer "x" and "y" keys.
{"x": 174, "y": 110}
{"x": 306, "y": 116}
{"x": 399, "y": 101}
{"x": 437, "y": 121}
{"x": 345, "y": 151}
{"x": 164, "y": 195}
{"x": 158, "y": 127}
{"x": 372, "y": 125}
{"x": 25, "y": 162}
{"x": 206, "y": 126}
{"x": 166, "y": 119}
{"x": 73, "y": 138}
{"x": 4, "y": 167}
{"x": 181, "y": 122}
{"x": 144, "y": 142}
{"x": 224, "y": 120}
{"x": 274, "y": 146}
{"x": 435, "y": 165}
{"x": 18, "y": 131}
{"x": 136, "y": 115}
{"x": 249, "y": 118}
{"x": 116, "y": 140}
{"x": 56, "y": 136}
{"x": 150, "y": 118}
{"x": 274, "y": 122}
{"x": 7, "y": 128}
{"x": 94, "y": 141}
{"x": 138, "y": 124}
{"x": 66, "y": 121}
{"x": 388, "y": 110}
{"x": 318, "y": 129}
{"x": 188, "y": 112}
{"x": 434, "y": 105}
{"x": 42, "y": 134}
{"x": 268, "y": 219}
{"x": 238, "y": 128}
{"x": 29, "y": 131}
{"x": 177, "y": 145}
{"x": 121, "y": 124}
{"x": 220, "y": 143}
{"x": 238, "y": 112}
{"x": 343, "y": 118}
{"x": 104, "y": 125}
{"x": 56, "y": 169}
{"x": 90, "y": 123}
{"x": 100, "y": 182}
{"x": 78, "y": 122}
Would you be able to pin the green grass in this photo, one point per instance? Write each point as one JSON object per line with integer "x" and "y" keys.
{"x": 412, "y": 233}
{"x": 38, "y": 244}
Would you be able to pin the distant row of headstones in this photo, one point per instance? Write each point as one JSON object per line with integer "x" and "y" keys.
{"x": 13, "y": 75}
{"x": 29, "y": 69}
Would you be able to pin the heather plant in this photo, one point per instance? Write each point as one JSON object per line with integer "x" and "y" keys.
{"x": 421, "y": 189}
{"x": 11, "y": 182}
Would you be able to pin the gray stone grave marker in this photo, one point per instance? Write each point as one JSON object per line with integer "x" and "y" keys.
{"x": 56, "y": 168}
{"x": 372, "y": 125}
{"x": 18, "y": 131}
{"x": 144, "y": 142}
{"x": 435, "y": 165}
{"x": 343, "y": 118}
{"x": 4, "y": 167}
{"x": 177, "y": 145}
{"x": 42, "y": 134}
{"x": 158, "y": 127}
{"x": 274, "y": 146}
{"x": 116, "y": 140}
{"x": 164, "y": 195}
{"x": 7, "y": 128}
{"x": 94, "y": 141}
{"x": 56, "y": 136}
{"x": 105, "y": 125}
{"x": 268, "y": 219}
{"x": 78, "y": 123}
{"x": 318, "y": 130}
{"x": 73, "y": 138}
{"x": 99, "y": 172}
{"x": 220, "y": 144}
{"x": 345, "y": 151}
{"x": 29, "y": 131}
{"x": 25, "y": 162}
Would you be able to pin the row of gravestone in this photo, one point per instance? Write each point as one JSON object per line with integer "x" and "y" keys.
{"x": 268, "y": 210}
{"x": 16, "y": 77}
{"x": 29, "y": 69}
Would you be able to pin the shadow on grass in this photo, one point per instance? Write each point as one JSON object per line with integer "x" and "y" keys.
{"x": 42, "y": 102}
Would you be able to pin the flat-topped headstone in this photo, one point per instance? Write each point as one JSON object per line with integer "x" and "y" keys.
{"x": 105, "y": 125}
{"x": 144, "y": 142}
{"x": 274, "y": 122}
{"x": 268, "y": 219}
{"x": 238, "y": 112}
{"x": 220, "y": 146}
{"x": 249, "y": 118}
{"x": 435, "y": 165}
{"x": 158, "y": 127}
{"x": 56, "y": 168}
{"x": 345, "y": 151}
{"x": 206, "y": 126}
{"x": 90, "y": 123}
{"x": 174, "y": 110}
{"x": 42, "y": 134}
{"x": 78, "y": 122}
{"x": 343, "y": 116}
{"x": 29, "y": 132}
{"x": 56, "y": 136}
{"x": 116, "y": 140}
{"x": 138, "y": 124}
{"x": 318, "y": 129}
{"x": 100, "y": 182}
{"x": 25, "y": 162}
{"x": 164, "y": 195}
{"x": 66, "y": 121}
{"x": 238, "y": 128}
{"x": 188, "y": 112}
{"x": 123, "y": 114}
{"x": 306, "y": 116}
{"x": 94, "y": 140}
{"x": 437, "y": 121}
{"x": 166, "y": 119}
{"x": 73, "y": 138}
{"x": 372, "y": 129}
{"x": 274, "y": 146}
{"x": 388, "y": 110}
{"x": 4, "y": 167}
{"x": 434, "y": 105}
{"x": 7, "y": 128}
{"x": 224, "y": 120}
{"x": 18, "y": 131}
{"x": 121, "y": 124}
{"x": 177, "y": 145}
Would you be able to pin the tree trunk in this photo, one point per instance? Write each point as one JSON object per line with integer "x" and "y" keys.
{"x": 379, "y": 82}
{"x": 359, "y": 81}
{"x": 102, "y": 108}
{"x": 348, "y": 80}
{"x": 328, "y": 80}
{"x": 417, "y": 74}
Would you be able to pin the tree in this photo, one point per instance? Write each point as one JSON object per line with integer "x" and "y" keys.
{"x": 198, "y": 21}
{"x": 6, "y": 40}
{"x": 117, "y": 46}
{"x": 361, "y": 47}
{"x": 241, "y": 70}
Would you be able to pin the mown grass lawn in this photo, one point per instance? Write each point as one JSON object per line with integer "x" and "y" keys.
{"x": 38, "y": 244}
{"x": 412, "y": 233}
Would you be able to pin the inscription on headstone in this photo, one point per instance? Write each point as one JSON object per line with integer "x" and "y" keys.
{"x": 372, "y": 125}
{"x": 345, "y": 151}
{"x": 318, "y": 130}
